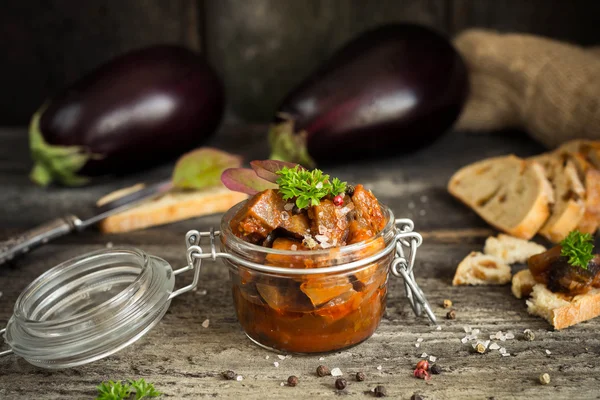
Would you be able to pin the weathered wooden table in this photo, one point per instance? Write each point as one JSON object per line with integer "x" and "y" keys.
{"x": 185, "y": 359}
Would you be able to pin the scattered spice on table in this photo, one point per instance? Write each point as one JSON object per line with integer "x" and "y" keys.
{"x": 360, "y": 376}
{"x": 528, "y": 335}
{"x": 435, "y": 369}
{"x": 229, "y": 375}
{"x": 480, "y": 348}
{"x": 544, "y": 379}
{"x": 416, "y": 397}
{"x": 205, "y": 323}
{"x": 447, "y": 303}
{"x": 323, "y": 371}
{"x": 292, "y": 381}
{"x": 380, "y": 391}
{"x": 423, "y": 364}
{"x": 340, "y": 383}
{"x": 451, "y": 314}
{"x": 422, "y": 374}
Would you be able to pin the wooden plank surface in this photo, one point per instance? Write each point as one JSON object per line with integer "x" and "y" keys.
{"x": 184, "y": 359}
{"x": 263, "y": 48}
{"x": 48, "y": 45}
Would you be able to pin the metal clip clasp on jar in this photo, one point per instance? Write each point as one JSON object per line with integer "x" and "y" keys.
{"x": 402, "y": 266}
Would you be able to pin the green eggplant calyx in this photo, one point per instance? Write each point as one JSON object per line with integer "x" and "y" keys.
{"x": 286, "y": 145}
{"x": 55, "y": 163}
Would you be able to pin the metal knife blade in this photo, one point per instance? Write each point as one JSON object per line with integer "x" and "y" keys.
{"x": 42, "y": 234}
{"x": 125, "y": 202}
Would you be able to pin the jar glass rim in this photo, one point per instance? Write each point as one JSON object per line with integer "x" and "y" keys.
{"x": 19, "y": 309}
{"x": 226, "y": 232}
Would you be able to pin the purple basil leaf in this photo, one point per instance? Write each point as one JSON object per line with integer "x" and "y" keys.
{"x": 267, "y": 169}
{"x": 245, "y": 180}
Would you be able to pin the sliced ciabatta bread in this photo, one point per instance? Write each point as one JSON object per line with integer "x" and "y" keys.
{"x": 170, "y": 207}
{"x": 508, "y": 192}
{"x": 523, "y": 283}
{"x": 511, "y": 249}
{"x": 481, "y": 269}
{"x": 558, "y": 309}
{"x": 569, "y": 206}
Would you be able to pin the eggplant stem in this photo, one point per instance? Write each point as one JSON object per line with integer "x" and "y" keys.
{"x": 290, "y": 146}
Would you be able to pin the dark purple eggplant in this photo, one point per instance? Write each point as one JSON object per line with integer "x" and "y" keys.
{"x": 141, "y": 109}
{"x": 393, "y": 89}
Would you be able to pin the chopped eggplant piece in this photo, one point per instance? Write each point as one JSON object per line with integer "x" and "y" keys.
{"x": 260, "y": 216}
{"x": 287, "y": 261}
{"x": 296, "y": 225}
{"x": 367, "y": 208}
{"x": 321, "y": 289}
{"x": 326, "y": 225}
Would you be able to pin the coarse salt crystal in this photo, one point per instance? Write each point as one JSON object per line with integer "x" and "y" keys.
{"x": 492, "y": 337}
{"x": 285, "y": 216}
{"x": 281, "y": 357}
{"x": 321, "y": 358}
{"x": 548, "y": 352}
{"x": 424, "y": 355}
{"x": 288, "y": 206}
{"x": 467, "y": 329}
{"x": 417, "y": 344}
{"x": 336, "y": 372}
{"x": 379, "y": 368}
{"x": 486, "y": 343}
{"x": 464, "y": 340}
{"x": 475, "y": 332}
{"x": 419, "y": 340}
{"x": 293, "y": 247}
{"x": 322, "y": 238}
{"x": 239, "y": 378}
{"x": 438, "y": 328}
{"x": 266, "y": 357}
{"x": 432, "y": 358}
{"x": 505, "y": 354}
{"x": 282, "y": 384}
{"x": 502, "y": 350}
{"x": 202, "y": 292}
{"x": 503, "y": 338}
{"x": 205, "y": 323}
{"x": 288, "y": 356}
{"x": 109, "y": 245}
{"x": 422, "y": 213}
{"x": 510, "y": 335}
{"x": 494, "y": 346}
{"x": 276, "y": 364}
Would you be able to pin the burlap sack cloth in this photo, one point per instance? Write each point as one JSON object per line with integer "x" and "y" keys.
{"x": 548, "y": 88}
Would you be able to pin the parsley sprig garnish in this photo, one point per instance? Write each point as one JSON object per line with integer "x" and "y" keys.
{"x": 307, "y": 187}
{"x": 578, "y": 247}
{"x": 121, "y": 391}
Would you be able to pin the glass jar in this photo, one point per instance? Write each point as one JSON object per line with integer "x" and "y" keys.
{"x": 307, "y": 313}
{"x": 89, "y": 307}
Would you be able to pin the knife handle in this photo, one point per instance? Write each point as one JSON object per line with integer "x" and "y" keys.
{"x": 37, "y": 236}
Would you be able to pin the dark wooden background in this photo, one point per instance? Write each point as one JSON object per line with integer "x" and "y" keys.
{"x": 261, "y": 48}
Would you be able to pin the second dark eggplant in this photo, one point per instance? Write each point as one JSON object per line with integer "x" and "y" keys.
{"x": 393, "y": 89}
{"x": 138, "y": 110}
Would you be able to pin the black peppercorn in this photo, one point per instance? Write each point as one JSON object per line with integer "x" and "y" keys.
{"x": 229, "y": 375}
{"x": 435, "y": 369}
{"x": 340, "y": 383}
{"x": 380, "y": 391}
{"x": 349, "y": 190}
{"x": 416, "y": 397}
{"x": 323, "y": 370}
{"x": 451, "y": 314}
{"x": 292, "y": 381}
{"x": 360, "y": 376}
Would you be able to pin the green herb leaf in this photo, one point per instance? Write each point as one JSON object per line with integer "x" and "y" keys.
{"x": 307, "y": 187}
{"x": 144, "y": 389}
{"x": 202, "y": 168}
{"x": 578, "y": 248}
{"x": 113, "y": 391}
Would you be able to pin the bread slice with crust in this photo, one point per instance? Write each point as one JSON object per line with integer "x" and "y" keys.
{"x": 511, "y": 249}
{"x": 569, "y": 194}
{"x": 508, "y": 192}
{"x": 481, "y": 269}
{"x": 558, "y": 309}
{"x": 170, "y": 207}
